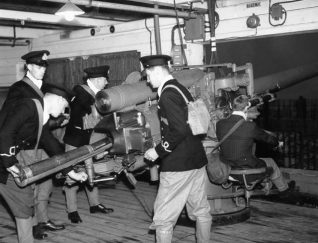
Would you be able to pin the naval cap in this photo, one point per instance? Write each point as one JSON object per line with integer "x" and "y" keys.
{"x": 96, "y": 72}
{"x": 58, "y": 90}
{"x": 155, "y": 60}
{"x": 37, "y": 57}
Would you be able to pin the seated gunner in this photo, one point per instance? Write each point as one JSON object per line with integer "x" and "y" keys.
{"x": 237, "y": 149}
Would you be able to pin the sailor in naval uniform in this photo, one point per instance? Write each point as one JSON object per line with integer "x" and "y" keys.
{"x": 21, "y": 131}
{"x": 79, "y": 132}
{"x": 31, "y": 86}
{"x": 182, "y": 158}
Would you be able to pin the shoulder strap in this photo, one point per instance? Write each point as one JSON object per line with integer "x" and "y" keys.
{"x": 236, "y": 125}
{"x": 40, "y": 114}
{"x": 176, "y": 88}
{"x": 88, "y": 90}
{"x": 36, "y": 88}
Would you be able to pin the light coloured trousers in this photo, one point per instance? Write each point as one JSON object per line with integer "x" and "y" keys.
{"x": 42, "y": 192}
{"x": 276, "y": 177}
{"x": 176, "y": 190}
{"x": 71, "y": 197}
{"x": 24, "y": 228}
{"x": 71, "y": 192}
{"x": 42, "y": 189}
{"x": 20, "y": 201}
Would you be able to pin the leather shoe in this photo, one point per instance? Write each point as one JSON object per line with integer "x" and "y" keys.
{"x": 100, "y": 208}
{"x": 38, "y": 232}
{"x": 292, "y": 185}
{"x": 74, "y": 217}
{"x": 289, "y": 192}
{"x": 49, "y": 225}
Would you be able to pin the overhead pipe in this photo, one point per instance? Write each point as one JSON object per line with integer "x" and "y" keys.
{"x": 16, "y": 43}
{"x": 155, "y": 11}
{"x": 211, "y": 14}
{"x": 184, "y": 57}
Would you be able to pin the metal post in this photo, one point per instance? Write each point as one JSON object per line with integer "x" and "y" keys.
{"x": 157, "y": 32}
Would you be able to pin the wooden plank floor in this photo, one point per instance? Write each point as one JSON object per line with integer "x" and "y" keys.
{"x": 269, "y": 222}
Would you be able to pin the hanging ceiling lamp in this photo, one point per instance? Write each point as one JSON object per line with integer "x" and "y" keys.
{"x": 69, "y": 11}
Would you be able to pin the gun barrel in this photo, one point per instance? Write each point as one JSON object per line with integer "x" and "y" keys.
{"x": 43, "y": 168}
{"x": 122, "y": 96}
{"x": 286, "y": 78}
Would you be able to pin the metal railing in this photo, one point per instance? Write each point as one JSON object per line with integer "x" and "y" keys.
{"x": 295, "y": 122}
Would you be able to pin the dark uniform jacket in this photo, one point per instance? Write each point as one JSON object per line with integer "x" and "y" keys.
{"x": 179, "y": 150}
{"x": 237, "y": 149}
{"x": 19, "y": 91}
{"x": 75, "y": 134}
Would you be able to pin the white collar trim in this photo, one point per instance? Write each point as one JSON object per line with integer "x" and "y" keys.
{"x": 240, "y": 113}
{"x": 37, "y": 82}
{"x": 169, "y": 77}
{"x": 92, "y": 86}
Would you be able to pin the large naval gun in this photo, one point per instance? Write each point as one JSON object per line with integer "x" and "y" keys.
{"x": 131, "y": 126}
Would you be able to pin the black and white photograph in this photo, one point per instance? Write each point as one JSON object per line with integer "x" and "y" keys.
{"x": 158, "y": 121}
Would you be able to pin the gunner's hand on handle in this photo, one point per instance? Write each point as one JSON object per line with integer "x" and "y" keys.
{"x": 151, "y": 154}
{"x": 78, "y": 176}
{"x": 14, "y": 170}
{"x": 66, "y": 119}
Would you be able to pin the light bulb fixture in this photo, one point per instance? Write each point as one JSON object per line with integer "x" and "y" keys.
{"x": 69, "y": 10}
{"x": 253, "y": 21}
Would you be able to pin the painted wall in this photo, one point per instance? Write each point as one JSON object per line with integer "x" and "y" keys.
{"x": 127, "y": 36}
{"x": 10, "y": 64}
{"x": 300, "y": 16}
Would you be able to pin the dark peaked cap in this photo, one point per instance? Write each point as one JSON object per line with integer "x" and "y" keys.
{"x": 155, "y": 60}
{"x": 96, "y": 72}
{"x": 37, "y": 57}
{"x": 58, "y": 90}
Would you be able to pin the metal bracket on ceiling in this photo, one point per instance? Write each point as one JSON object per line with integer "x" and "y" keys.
{"x": 89, "y": 4}
{"x": 14, "y": 36}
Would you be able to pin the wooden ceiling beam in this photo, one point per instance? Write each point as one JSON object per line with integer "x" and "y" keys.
{"x": 90, "y": 12}
{"x": 170, "y": 5}
{"x": 130, "y": 8}
{"x": 53, "y": 19}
